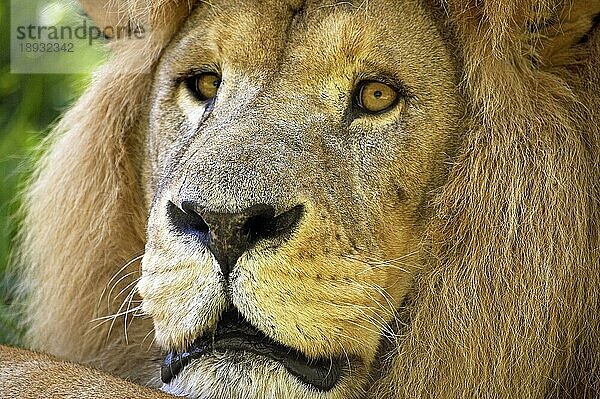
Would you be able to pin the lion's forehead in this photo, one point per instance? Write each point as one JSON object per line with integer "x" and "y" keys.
{"x": 307, "y": 41}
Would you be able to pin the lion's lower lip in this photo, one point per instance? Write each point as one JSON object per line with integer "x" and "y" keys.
{"x": 234, "y": 333}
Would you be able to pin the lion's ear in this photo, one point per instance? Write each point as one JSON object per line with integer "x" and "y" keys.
{"x": 556, "y": 33}
{"x": 106, "y": 13}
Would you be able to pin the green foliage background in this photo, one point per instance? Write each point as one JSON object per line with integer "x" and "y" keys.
{"x": 29, "y": 104}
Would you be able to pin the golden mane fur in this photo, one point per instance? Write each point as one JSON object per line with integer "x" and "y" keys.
{"x": 515, "y": 241}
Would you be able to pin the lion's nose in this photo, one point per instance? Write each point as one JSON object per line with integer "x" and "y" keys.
{"x": 229, "y": 235}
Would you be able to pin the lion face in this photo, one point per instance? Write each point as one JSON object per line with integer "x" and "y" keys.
{"x": 292, "y": 153}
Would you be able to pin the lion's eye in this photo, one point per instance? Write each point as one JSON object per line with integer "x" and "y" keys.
{"x": 205, "y": 85}
{"x": 374, "y": 96}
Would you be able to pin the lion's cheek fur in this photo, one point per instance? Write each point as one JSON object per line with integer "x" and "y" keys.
{"x": 173, "y": 299}
{"x": 178, "y": 290}
{"x": 325, "y": 298}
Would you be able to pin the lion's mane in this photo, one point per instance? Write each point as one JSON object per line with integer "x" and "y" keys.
{"x": 510, "y": 303}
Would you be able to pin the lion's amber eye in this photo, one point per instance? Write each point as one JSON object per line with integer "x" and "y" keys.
{"x": 205, "y": 85}
{"x": 374, "y": 96}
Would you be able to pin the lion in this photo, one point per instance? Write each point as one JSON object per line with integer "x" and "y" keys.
{"x": 321, "y": 199}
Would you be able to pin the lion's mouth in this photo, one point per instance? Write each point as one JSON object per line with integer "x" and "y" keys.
{"x": 234, "y": 333}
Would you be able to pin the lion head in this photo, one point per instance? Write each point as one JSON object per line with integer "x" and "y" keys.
{"x": 331, "y": 200}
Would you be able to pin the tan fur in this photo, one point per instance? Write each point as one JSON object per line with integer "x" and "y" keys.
{"x": 501, "y": 299}
{"x": 29, "y": 375}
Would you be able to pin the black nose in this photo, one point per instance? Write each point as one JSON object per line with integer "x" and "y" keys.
{"x": 229, "y": 235}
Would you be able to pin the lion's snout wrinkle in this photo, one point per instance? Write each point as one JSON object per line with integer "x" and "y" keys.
{"x": 229, "y": 235}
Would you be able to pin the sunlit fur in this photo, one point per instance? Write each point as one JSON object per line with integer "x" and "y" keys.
{"x": 497, "y": 297}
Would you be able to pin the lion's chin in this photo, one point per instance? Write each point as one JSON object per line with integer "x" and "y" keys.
{"x": 245, "y": 375}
